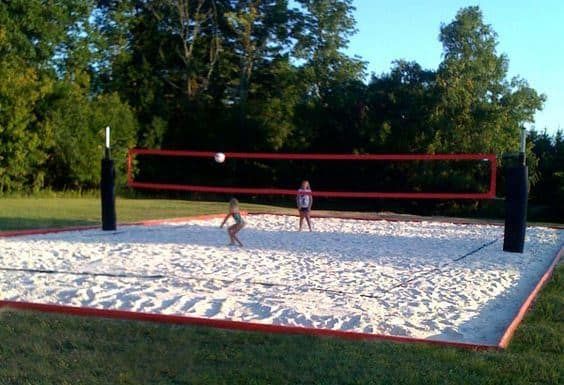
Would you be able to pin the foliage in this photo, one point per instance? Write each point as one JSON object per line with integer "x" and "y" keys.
{"x": 50, "y": 118}
{"x": 244, "y": 75}
{"x": 479, "y": 110}
{"x": 549, "y": 191}
{"x": 23, "y": 139}
{"x": 78, "y": 124}
{"x": 326, "y": 26}
{"x": 400, "y": 108}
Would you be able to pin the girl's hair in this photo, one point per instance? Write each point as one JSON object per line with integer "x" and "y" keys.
{"x": 233, "y": 202}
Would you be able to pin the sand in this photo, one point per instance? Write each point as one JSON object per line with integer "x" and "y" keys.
{"x": 429, "y": 280}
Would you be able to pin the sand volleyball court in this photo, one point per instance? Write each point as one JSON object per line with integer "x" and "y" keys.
{"x": 426, "y": 280}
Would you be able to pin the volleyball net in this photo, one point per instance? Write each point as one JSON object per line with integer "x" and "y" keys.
{"x": 355, "y": 175}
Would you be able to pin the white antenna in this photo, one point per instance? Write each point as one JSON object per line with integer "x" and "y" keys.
{"x": 108, "y": 137}
{"x": 523, "y": 148}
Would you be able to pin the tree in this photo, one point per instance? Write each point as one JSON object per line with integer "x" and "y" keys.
{"x": 142, "y": 62}
{"x": 259, "y": 30}
{"x": 549, "y": 191}
{"x": 330, "y": 79}
{"x": 323, "y": 34}
{"x": 271, "y": 108}
{"x": 195, "y": 41}
{"x": 400, "y": 106}
{"x": 77, "y": 121}
{"x": 479, "y": 110}
{"x": 35, "y": 49}
{"x": 22, "y": 138}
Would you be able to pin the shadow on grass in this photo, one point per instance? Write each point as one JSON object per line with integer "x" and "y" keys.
{"x": 11, "y": 223}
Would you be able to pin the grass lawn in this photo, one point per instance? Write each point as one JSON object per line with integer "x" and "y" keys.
{"x": 40, "y": 348}
{"x": 32, "y": 213}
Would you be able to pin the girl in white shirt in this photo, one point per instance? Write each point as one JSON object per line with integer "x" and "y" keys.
{"x": 304, "y": 200}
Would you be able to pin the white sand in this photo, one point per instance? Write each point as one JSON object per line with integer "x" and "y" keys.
{"x": 394, "y": 278}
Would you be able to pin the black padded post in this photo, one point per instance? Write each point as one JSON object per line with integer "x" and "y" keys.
{"x": 516, "y": 182}
{"x": 107, "y": 187}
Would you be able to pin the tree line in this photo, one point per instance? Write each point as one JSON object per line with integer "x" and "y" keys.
{"x": 249, "y": 75}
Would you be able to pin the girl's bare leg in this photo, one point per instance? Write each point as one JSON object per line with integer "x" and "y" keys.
{"x": 308, "y": 220}
{"x": 230, "y": 232}
{"x": 236, "y": 229}
{"x": 301, "y": 219}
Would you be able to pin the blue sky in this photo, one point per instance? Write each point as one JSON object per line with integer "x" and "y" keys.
{"x": 530, "y": 33}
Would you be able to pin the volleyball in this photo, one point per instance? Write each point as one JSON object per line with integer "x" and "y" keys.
{"x": 219, "y": 157}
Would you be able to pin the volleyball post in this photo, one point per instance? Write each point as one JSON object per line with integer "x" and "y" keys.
{"x": 107, "y": 187}
{"x": 516, "y": 195}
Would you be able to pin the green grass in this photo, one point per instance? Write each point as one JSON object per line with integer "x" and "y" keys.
{"x": 38, "y": 348}
{"x": 47, "y": 212}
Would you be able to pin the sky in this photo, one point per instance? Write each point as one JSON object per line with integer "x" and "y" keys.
{"x": 530, "y": 33}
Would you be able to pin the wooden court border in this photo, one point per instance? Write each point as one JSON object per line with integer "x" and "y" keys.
{"x": 502, "y": 344}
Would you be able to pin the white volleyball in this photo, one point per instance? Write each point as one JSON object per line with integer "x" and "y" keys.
{"x": 219, "y": 157}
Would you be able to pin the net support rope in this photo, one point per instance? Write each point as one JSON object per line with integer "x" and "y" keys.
{"x": 490, "y": 194}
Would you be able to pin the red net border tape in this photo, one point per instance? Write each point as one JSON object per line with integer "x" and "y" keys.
{"x": 490, "y": 194}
